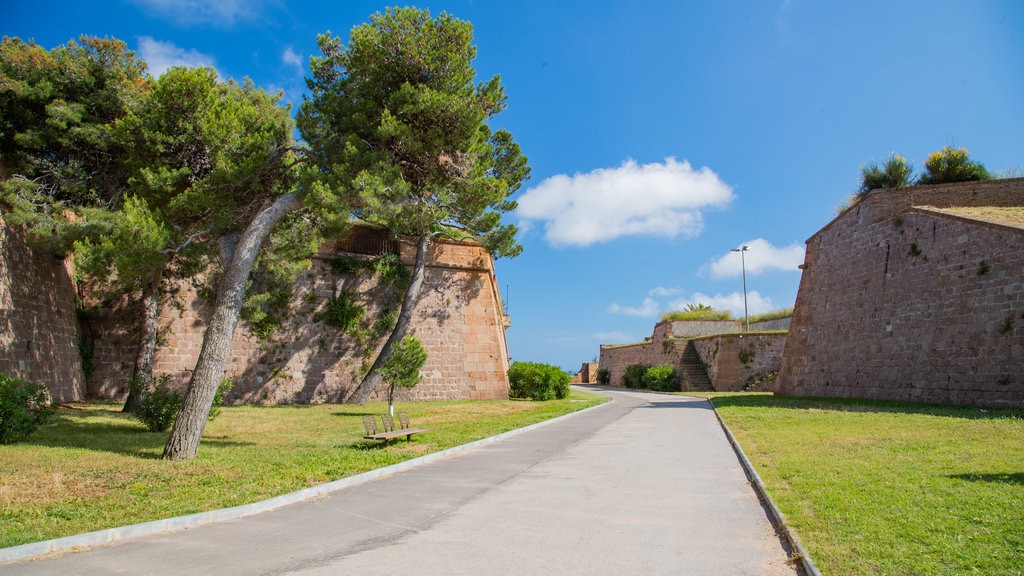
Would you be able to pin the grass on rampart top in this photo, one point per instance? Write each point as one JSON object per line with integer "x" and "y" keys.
{"x": 875, "y": 488}
{"x": 93, "y": 467}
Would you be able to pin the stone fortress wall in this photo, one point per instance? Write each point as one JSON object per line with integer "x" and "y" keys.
{"x": 459, "y": 319}
{"x": 902, "y": 298}
{"x": 732, "y": 359}
{"x": 38, "y": 326}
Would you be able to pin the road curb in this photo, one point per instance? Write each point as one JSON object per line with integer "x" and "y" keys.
{"x": 113, "y": 535}
{"x": 777, "y": 516}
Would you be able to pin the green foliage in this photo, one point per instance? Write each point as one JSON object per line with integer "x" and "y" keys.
{"x": 266, "y": 310}
{"x": 895, "y": 173}
{"x": 24, "y": 406}
{"x": 157, "y": 406}
{"x": 662, "y": 378}
{"x": 604, "y": 376}
{"x": 952, "y": 165}
{"x": 697, "y": 312}
{"x": 341, "y": 312}
{"x": 771, "y": 315}
{"x": 746, "y": 355}
{"x": 58, "y": 142}
{"x": 398, "y": 117}
{"x": 633, "y": 376}
{"x": 218, "y": 399}
{"x": 402, "y": 368}
{"x": 537, "y": 381}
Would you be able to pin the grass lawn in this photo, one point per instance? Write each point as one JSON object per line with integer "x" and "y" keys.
{"x": 92, "y": 467}
{"x": 890, "y": 488}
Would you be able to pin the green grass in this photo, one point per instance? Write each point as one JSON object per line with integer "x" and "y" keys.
{"x": 890, "y": 488}
{"x": 93, "y": 467}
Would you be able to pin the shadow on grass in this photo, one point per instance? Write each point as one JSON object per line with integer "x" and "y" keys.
{"x": 1007, "y": 478}
{"x": 861, "y": 405}
{"x": 125, "y": 438}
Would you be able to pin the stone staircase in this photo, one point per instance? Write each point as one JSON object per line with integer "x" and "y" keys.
{"x": 694, "y": 373}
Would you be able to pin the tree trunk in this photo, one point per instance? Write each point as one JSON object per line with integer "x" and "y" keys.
{"x": 372, "y": 378}
{"x": 142, "y": 375}
{"x": 209, "y": 371}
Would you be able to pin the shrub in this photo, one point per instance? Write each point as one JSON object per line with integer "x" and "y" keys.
{"x": 23, "y": 407}
{"x": 157, "y": 407}
{"x": 633, "y": 377}
{"x": 218, "y": 398}
{"x": 772, "y": 315}
{"x": 949, "y": 165}
{"x": 604, "y": 376}
{"x": 895, "y": 173}
{"x": 662, "y": 378}
{"x": 537, "y": 381}
{"x": 697, "y": 312}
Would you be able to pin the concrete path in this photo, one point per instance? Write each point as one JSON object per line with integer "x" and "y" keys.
{"x": 647, "y": 484}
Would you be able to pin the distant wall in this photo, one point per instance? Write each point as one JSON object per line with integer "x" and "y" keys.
{"x": 738, "y": 362}
{"x": 38, "y": 328}
{"x": 734, "y": 361}
{"x": 906, "y": 303}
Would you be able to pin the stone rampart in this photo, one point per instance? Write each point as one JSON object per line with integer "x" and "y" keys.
{"x": 38, "y": 328}
{"x": 907, "y": 303}
{"x": 458, "y": 318}
{"x": 736, "y": 362}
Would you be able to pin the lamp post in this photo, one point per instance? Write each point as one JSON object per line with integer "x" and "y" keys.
{"x": 743, "y": 264}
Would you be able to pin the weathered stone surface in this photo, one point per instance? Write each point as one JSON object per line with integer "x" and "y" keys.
{"x": 38, "y": 328}
{"x": 901, "y": 301}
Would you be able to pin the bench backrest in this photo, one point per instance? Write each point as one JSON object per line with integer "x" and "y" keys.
{"x": 370, "y": 423}
{"x": 403, "y": 420}
{"x": 389, "y": 422}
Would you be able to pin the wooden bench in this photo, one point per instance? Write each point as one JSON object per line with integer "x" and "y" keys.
{"x": 388, "y": 430}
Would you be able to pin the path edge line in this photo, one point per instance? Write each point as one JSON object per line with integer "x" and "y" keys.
{"x": 777, "y": 516}
{"x": 113, "y": 535}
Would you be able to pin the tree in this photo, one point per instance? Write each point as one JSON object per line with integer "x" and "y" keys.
{"x": 895, "y": 173}
{"x": 58, "y": 149}
{"x": 402, "y": 368}
{"x": 60, "y": 152}
{"x": 949, "y": 165}
{"x": 396, "y": 120}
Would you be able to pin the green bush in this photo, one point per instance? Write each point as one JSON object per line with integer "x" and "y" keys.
{"x": 604, "y": 376}
{"x": 537, "y": 381}
{"x": 218, "y": 398}
{"x": 157, "y": 407}
{"x": 662, "y": 378}
{"x": 633, "y": 377}
{"x": 23, "y": 407}
{"x": 949, "y": 165}
{"x": 895, "y": 173}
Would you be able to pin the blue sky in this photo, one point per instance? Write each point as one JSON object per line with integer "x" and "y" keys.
{"x": 661, "y": 133}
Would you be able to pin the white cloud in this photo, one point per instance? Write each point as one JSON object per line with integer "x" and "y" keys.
{"x": 292, "y": 58}
{"x": 648, "y": 308}
{"x": 733, "y": 302}
{"x": 761, "y": 257}
{"x": 662, "y": 291}
{"x": 658, "y": 199}
{"x": 161, "y": 56}
{"x": 189, "y": 12}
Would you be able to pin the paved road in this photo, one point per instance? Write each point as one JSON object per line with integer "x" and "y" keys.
{"x": 646, "y": 484}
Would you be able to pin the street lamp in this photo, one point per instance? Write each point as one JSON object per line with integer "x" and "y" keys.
{"x": 743, "y": 263}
